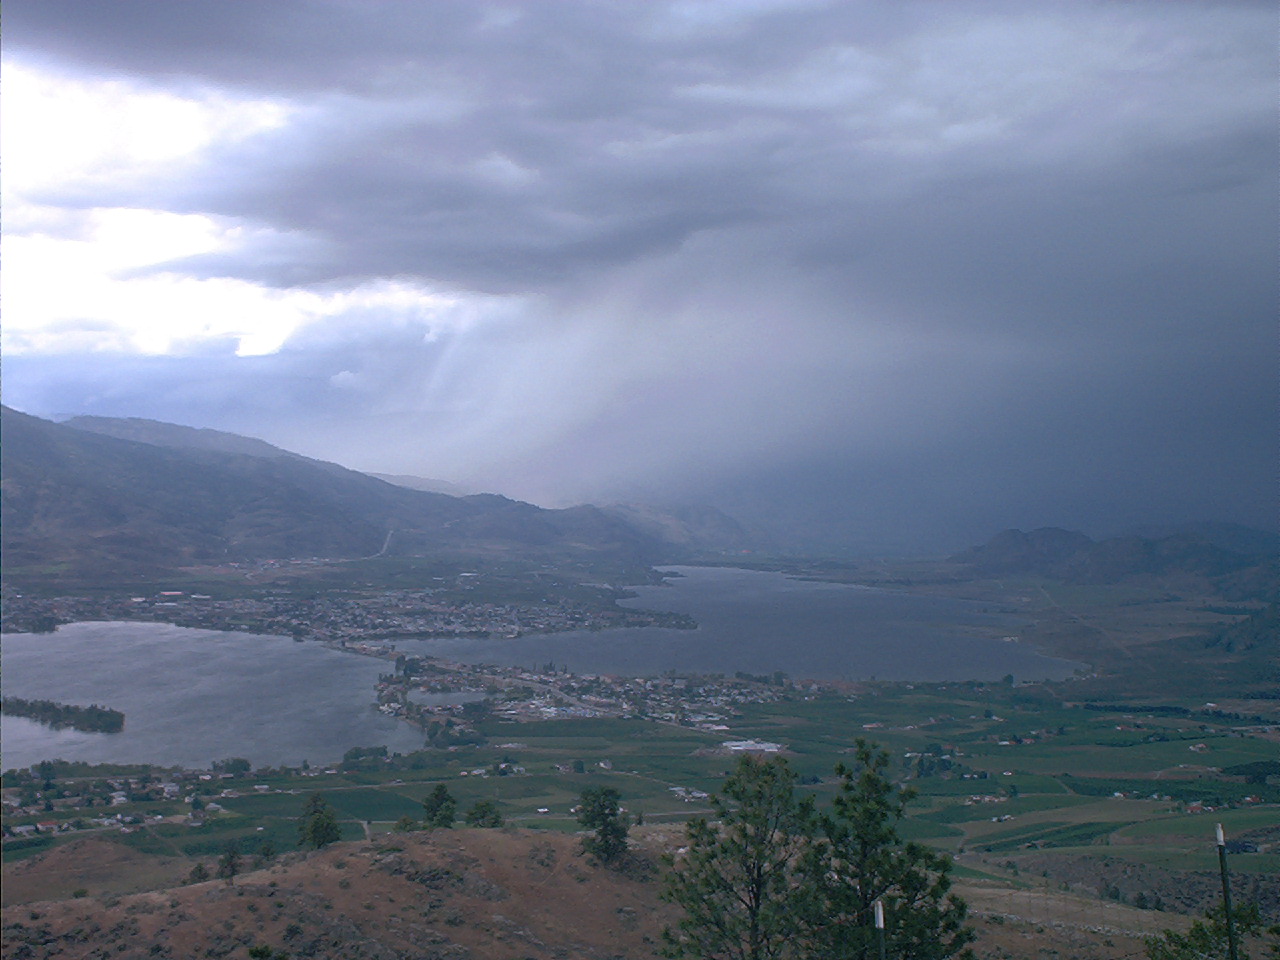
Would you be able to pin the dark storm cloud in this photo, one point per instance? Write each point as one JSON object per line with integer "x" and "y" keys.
{"x": 497, "y": 151}
{"x": 907, "y": 261}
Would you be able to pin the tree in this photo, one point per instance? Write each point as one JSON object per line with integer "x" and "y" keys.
{"x": 439, "y": 808}
{"x": 743, "y": 884}
{"x": 1207, "y": 938}
{"x": 266, "y": 851}
{"x": 484, "y": 813}
{"x": 235, "y": 766}
{"x": 774, "y": 880}
{"x": 229, "y": 863}
{"x": 319, "y": 824}
{"x": 199, "y": 873}
{"x": 861, "y": 858}
{"x": 598, "y": 810}
{"x": 358, "y": 757}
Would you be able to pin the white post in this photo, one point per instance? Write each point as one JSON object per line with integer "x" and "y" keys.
{"x": 1226, "y": 894}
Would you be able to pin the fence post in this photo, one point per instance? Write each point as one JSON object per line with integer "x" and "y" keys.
{"x": 1226, "y": 894}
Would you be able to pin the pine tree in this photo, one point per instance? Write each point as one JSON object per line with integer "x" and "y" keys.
{"x": 744, "y": 884}
{"x": 861, "y": 858}
{"x": 266, "y": 851}
{"x": 439, "y": 808}
{"x": 598, "y": 809}
{"x": 319, "y": 824}
{"x": 484, "y": 813}
{"x": 229, "y": 864}
{"x": 773, "y": 880}
{"x": 1207, "y": 938}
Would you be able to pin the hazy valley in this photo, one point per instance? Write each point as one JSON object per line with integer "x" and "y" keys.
{"x": 1078, "y": 810}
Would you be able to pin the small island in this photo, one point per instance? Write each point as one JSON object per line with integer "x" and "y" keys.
{"x": 93, "y": 718}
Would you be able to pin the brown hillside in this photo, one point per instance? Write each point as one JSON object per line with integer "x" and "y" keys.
{"x": 444, "y": 895}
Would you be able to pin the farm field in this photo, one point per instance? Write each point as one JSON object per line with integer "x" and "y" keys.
{"x": 1008, "y": 780}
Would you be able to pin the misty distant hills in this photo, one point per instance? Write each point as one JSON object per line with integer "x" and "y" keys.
{"x": 1231, "y": 537}
{"x": 694, "y": 528}
{"x": 691, "y": 528}
{"x": 1042, "y": 551}
{"x": 178, "y": 437}
{"x": 1220, "y": 551}
{"x": 424, "y": 483}
{"x": 101, "y": 495}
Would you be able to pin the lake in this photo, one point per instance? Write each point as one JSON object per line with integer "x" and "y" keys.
{"x": 194, "y": 696}
{"x": 762, "y": 622}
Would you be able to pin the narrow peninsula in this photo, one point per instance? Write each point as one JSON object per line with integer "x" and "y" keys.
{"x": 92, "y": 719}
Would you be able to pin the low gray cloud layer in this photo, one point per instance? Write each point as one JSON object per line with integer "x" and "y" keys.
{"x": 926, "y": 268}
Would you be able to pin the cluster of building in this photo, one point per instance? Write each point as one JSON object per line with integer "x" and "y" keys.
{"x": 31, "y": 796}
{"x": 70, "y": 803}
{"x": 520, "y": 694}
{"x": 385, "y": 614}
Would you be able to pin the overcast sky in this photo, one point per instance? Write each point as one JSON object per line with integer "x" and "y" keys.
{"x": 905, "y": 273}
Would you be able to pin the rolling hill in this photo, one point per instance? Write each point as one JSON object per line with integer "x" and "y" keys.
{"x": 460, "y": 894}
{"x": 1242, "y": 562}
{"x": 155, "y": 496}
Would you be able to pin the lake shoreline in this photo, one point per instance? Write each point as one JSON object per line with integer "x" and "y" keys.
{"x": 193, "y": 695}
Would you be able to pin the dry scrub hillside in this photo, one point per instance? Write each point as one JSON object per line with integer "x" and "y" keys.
{"x": 444, "y": 895}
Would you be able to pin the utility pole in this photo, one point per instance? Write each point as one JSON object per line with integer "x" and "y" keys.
{"x": 1226, "y": 894}
{"x": 880, "y": 928}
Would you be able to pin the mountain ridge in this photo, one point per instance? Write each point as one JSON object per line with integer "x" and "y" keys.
{"x": 161, "y": 434}
{"x": 85, "y": 499}
{"x": 1190, "y": 550}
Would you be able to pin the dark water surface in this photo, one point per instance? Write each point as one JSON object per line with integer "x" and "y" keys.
{"x": 194, "y": 696}
{"x": 761, "y": 622}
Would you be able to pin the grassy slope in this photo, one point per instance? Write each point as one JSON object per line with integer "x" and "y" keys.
{"x": 453, "y": 894}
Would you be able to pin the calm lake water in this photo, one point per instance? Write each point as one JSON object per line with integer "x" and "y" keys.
{"x": 761, "y": 622}
{"x": 194, "y": 696}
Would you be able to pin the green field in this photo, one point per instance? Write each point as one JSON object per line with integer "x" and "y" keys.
{"x": 1070, "y": 782}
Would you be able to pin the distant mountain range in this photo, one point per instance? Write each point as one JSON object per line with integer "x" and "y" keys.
{"x": 1225, "y": 552}
{"x": 97, "y": 493}
{"x": 177, "y": 437}
{"x": 425, "y": 483}
{"x": 100, "y": 494}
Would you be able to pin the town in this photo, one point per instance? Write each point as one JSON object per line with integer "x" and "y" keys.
{"x": 524, "y": 695}
{"x": 419, "y": 613}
